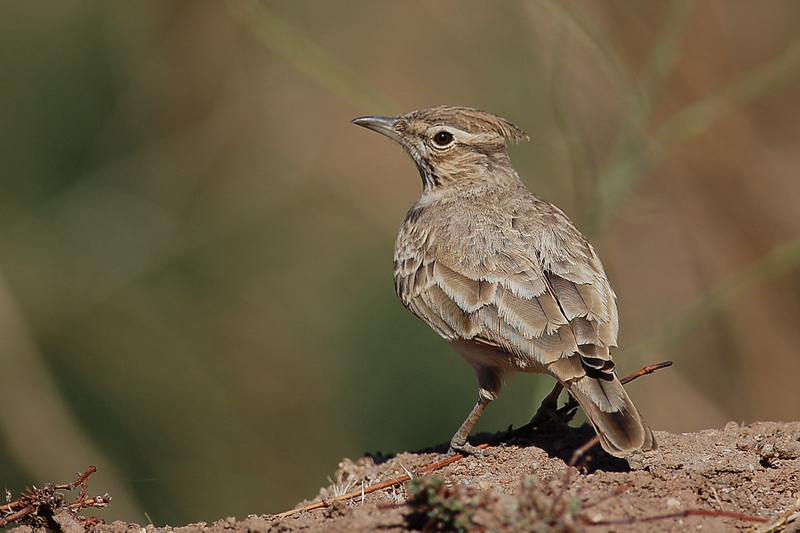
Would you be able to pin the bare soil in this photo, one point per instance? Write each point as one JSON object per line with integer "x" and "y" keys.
{"x": 739, "y": 478}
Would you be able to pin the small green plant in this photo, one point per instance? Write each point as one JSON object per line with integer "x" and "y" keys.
{"x": 439, "y": 506}
{"x": 544, "y": 510}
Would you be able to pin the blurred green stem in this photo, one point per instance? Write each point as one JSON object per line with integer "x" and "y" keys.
{"x": 38, "y": 428}
{"x": 775, "y": 263}
{"x": 624, "y": 164}
{"x": 634, "y": 155}
{"x": 309, "y": 57}
{"x": 594, "y": 42}
{"x": 698, "y": 117}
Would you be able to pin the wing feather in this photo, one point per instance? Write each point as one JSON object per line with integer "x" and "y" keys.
{"x": 535, "y": 290}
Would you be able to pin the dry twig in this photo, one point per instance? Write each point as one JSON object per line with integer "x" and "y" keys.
{"x": 47, "y": 506}
{"x": 678, "y": 514}
{"x": 784, "y": 520}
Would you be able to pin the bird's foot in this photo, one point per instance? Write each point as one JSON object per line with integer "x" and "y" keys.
{"x": 465, "y": 448}
{"x": 549, "y": 410}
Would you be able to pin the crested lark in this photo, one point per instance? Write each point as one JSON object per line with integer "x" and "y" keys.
{"x": 503, "y": 275}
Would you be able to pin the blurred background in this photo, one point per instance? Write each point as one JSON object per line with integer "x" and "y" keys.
{"x": 195, "y": 244}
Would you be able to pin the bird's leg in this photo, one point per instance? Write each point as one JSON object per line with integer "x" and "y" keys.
{"x": 548, "y": 408}
{"x": 459, "y": 444}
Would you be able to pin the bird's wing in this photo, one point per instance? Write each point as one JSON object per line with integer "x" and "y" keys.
{"x": 541, "y": 295}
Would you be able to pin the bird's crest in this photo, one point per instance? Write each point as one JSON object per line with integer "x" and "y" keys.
{"x": 470, "y": 120}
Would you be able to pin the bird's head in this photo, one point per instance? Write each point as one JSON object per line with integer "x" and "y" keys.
{"x": 451, "y": 146}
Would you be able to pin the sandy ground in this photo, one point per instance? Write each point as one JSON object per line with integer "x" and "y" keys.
{"x": 715, "y": 480}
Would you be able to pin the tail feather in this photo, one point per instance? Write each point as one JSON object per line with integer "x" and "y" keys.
{"x": 618, "y": 423}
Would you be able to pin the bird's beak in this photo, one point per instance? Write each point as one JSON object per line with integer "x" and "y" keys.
{"x": 384, "y": 125}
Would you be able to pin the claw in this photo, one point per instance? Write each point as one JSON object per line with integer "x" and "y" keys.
{"x": 466, "y": 449}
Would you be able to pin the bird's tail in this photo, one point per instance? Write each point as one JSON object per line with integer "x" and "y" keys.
{"x": 618, "y": 423}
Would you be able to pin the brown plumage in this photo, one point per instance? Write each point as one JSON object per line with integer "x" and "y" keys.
{"x": 503, "y": 275}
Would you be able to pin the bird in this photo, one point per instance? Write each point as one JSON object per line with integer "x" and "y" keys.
{"x": 504, "y": 276}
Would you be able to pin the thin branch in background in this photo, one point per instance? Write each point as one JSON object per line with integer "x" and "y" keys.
{"x": 634, "y": 155}
{"x": 699, "y": 116}
{"x": 575, "y": 28}
{"x": 630, "y": 167}
{"x": 577, "y": 149}
{"x": 775, "y": 263}
{"x": 594, "y": 42}
{"x": 623, "y": 169}
{"x": 309, "y": 57}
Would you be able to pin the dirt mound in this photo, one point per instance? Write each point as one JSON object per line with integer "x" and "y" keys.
{"x": 736, "y": 478}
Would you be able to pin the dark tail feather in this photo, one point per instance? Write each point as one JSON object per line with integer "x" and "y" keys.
{"x": 619, "y": 425}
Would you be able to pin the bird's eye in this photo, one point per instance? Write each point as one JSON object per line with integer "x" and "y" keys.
{"x": 443, "y": 139}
